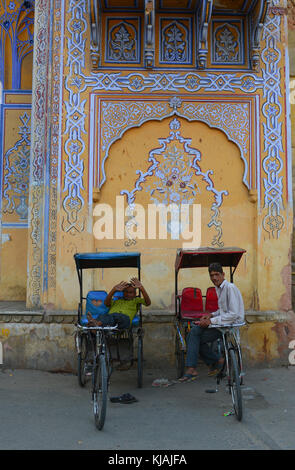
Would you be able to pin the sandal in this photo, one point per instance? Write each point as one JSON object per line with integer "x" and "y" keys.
{"x": 188, "y": 377}
{"x": 215, "y": 369}
{"x": 125, "y": 398}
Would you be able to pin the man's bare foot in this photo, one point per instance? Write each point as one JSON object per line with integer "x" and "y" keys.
{"x": 92, "y": 321}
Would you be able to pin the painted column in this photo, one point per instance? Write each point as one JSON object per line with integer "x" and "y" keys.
{"x": 39, "y": 177}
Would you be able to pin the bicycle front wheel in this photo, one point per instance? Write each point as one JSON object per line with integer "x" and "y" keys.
{"x": 100, "y": 390}
{"x": 235, "y": 386}
{"x": 82, "y": 360}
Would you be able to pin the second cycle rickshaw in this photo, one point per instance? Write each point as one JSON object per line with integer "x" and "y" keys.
{"x": 191, "y": 305}
{"x": 99, "y": 348}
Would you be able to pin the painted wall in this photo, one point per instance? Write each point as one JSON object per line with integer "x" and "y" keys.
{"x": 16, "y": 55}
{"x": 93, "y": 132}
{"x": 95, "y": 109}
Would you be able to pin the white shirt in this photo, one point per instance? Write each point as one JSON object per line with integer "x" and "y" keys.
{"x": 230, "y": 303}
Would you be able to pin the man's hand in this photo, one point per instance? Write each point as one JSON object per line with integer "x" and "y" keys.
{"x": 121, "y": 286}
{"x": 135, "y": 283}
{"x": 207, "y": 316}
{"x": 204, "y": 322}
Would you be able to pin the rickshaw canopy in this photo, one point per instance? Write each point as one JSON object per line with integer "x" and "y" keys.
{"x": 202, "y": 257}
{"x": 107, "y": 260}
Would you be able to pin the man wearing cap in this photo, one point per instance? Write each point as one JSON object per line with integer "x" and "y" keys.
{"x": 230, "y": 311}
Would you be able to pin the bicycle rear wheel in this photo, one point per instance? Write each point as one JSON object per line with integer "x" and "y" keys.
{"x": 100, "y": 389}
{"x": 235, "y": 386}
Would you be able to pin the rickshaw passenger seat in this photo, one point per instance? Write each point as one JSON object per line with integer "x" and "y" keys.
{"x": 211, "y": 304}
{"x": 99, "y": 296}
{"x": 94, "y": 309}
{"x": 118, "y": 295}
{"x": 191, "y": 302}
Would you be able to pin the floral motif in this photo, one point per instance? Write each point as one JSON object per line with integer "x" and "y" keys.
{"x": 17, "y": 173}
{"x": 175, "y": 166}
{"x": 122, "y": 46}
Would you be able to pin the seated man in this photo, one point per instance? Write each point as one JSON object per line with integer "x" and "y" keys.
{"x": 123, "y": 310}
{"x": 231, "y": 310}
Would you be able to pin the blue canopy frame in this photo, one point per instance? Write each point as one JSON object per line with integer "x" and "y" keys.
{"x": 104, "y": 260}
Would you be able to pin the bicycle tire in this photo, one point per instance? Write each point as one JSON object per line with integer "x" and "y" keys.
{"x": 179, "y": 357}
{"x": 238, "y": 353}
{"x": 100, "y": 389}
{"x": 82, "y": 361}
{"x": 235, "y": 386}
{"x": 139, "y": 362}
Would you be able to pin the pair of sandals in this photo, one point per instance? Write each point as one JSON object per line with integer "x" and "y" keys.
{"x": 188, "y": 378}
{"x": 214, "y": 370}
{"x": 125, "y": 398}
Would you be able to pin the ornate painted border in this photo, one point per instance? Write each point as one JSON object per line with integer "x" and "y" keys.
{"x": 77, "y": 82}
{"x": 232, "y": 116}
{"x": 39, "y": 147}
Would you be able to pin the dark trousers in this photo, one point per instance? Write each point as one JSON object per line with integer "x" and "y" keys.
{"x": 197, "y": 344}
{"x": 112, "y": 319}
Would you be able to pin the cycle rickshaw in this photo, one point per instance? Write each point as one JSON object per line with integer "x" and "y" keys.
{"x": 99, "y": 348}
{"x": 190, "y": 306}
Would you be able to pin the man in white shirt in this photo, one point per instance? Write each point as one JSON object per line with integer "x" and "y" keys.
{"x": 230, "y": 311}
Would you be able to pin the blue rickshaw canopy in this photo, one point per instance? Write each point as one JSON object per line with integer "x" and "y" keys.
{"x": 107, "y": 260}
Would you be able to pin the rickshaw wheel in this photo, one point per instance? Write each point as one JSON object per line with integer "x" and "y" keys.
{"x": 139, "y": 362}
{"x": 100, "y": 388}
{"x": 235, "y": 387}
{"x": 179, "y": 357}
{"x": 82, "y": 361}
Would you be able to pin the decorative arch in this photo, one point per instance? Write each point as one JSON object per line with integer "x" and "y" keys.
{"x": 233, "y": 117}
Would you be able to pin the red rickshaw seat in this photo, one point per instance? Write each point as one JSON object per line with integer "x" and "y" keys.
{"x": 211, "y": 304}
{"x": 191, "y": 303}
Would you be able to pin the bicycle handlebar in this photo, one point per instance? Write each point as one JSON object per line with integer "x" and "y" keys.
{"x": 233, "y": 325}
{"x": 97, "y": 327}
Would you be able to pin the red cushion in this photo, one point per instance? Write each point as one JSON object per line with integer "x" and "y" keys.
{"x": 211, "y": 304}
{"x": 191, "y": 305}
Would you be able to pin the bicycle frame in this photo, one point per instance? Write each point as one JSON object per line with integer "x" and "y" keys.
{"x": 100, "y": 347}
{"x": 231, "y": 340}
{"x": 233, "y": 366}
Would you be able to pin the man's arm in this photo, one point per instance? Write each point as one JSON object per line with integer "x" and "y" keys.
{"x": 118, "y": 287}
{"x": 235, "y": 308}
{"x": 137, "y": 284}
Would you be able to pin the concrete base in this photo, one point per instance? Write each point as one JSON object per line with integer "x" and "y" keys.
{"x": 45, "y": 340}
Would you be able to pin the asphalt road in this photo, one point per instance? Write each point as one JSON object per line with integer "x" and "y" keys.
{"x": 49, "y": 411}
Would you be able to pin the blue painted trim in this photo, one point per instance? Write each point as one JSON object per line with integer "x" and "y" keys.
{"x": 2, "y": 152}
{"x": 15, "y": 225}
{"x": 47, "y": 173}
{"x": 3, "y": 107}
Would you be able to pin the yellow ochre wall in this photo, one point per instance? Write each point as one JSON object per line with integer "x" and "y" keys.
{"x": 264, "y": 273}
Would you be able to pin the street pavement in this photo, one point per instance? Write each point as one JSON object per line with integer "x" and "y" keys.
{"x": 50, "y": 411}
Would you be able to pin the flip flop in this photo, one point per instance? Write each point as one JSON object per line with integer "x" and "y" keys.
{"x": 125, "y": 398}
{"x": 215, "y": 369}
{"x": 188, "y": 377}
